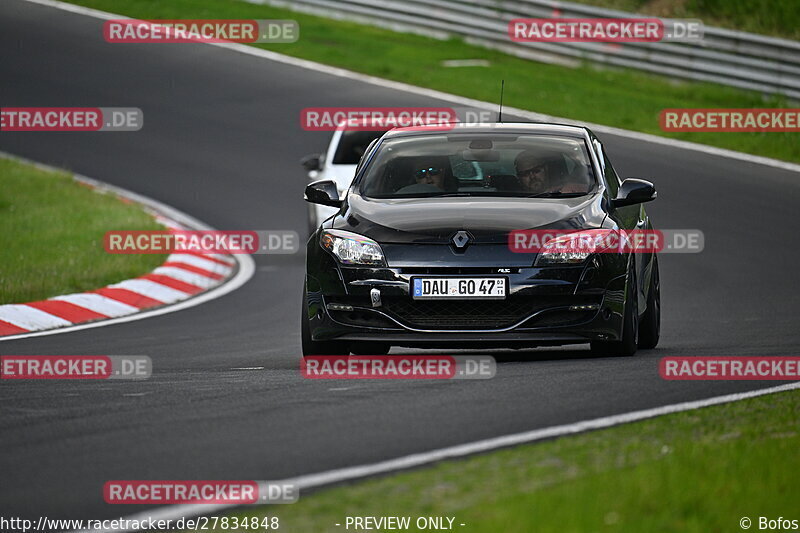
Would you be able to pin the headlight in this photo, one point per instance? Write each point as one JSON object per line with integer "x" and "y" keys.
{"x": 352, "y": 248}
{"x": 560, "y": 258}
{"x": 574, "y": 247}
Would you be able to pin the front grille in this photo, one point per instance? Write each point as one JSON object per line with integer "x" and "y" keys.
{"x": 459, "y": 314}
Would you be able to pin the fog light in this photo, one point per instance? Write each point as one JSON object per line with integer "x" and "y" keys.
{"x": 590, "y": 307}
{"x": 339, "y": 307}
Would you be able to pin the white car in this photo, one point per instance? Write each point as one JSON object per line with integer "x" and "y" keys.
{"x": 338, "y": 164}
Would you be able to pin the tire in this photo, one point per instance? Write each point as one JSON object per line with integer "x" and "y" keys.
{"x": 650, "y": 325}
{"x": 370, "y": 348}
{"x": 626, "y": 346}
{"x": 312, "y": 347}
{"x": 312, "y": 220}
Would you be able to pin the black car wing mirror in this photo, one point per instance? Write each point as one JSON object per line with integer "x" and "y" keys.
{"x": 634, "y": 191}
{"x": 312, "y": 162}
{"x": 323, "y": 192}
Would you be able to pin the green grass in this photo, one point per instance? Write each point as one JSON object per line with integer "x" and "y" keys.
{"x": 698, "y": 471}
{"x": 778, "y": 18}
{"x": 625, "y": 99}
{"x": 53, "y": 232}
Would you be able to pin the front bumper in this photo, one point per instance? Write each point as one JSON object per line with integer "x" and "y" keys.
{"x": 544, "y": 306}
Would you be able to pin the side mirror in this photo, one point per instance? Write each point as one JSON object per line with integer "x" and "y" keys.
{"x": 312, "y": 162}
{"x": 323, "y": 192}
{"x": 634, "y": 191}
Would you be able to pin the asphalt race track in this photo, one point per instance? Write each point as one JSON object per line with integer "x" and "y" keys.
{"x": 221, "y": 142}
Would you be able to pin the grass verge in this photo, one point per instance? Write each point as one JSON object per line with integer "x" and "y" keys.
{"x": 53, "y": 232}
{"x": 625, "y": 99}
{"x": 699, "y": 471}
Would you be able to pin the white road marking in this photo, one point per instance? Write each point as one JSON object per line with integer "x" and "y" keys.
{"x": 99, "y": 304}
{"x": 221, "y": 257}
{"x": 455, "y": 63}
{"x": 160, "y": 292}
{"x": 186, "y": 276}
{"x": 164, "y": 221}
{"x": 174, "y": 512}
{"x": 30, "y": 318}
{"x": 199, "y": 262}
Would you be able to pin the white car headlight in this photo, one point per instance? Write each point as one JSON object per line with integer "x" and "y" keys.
{"x": 351, "y": 248}
{"x": 571, "y": 248}
{"x": 560, "y": 258}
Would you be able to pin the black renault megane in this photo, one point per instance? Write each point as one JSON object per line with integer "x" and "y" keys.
{"x": 422, "y": 250}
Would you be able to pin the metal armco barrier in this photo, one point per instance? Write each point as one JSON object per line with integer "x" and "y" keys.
{"x": 727, "y": 57}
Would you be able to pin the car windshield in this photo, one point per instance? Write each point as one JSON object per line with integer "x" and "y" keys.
{"x": 352, "y": 146}
{"x": 468, "y": 164}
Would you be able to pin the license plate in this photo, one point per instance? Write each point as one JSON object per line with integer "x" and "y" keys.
{"x": 454, "y": 288}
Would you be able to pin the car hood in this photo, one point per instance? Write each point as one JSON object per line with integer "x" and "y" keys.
{"x": 488, "y": 220}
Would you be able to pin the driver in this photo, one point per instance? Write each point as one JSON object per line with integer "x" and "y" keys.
{"x": 429, "y": 175}
{"x": 540, "y": 173}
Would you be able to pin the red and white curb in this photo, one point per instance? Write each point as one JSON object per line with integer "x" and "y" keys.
{"x": 183, "y": 280}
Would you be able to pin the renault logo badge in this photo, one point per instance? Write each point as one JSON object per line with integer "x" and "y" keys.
{"x": 461, "y": 239}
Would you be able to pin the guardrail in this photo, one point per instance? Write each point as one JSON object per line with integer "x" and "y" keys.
{"x": 728, "y": 57}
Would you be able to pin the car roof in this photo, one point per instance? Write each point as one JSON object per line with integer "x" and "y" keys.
{"x": 566, "y": 130}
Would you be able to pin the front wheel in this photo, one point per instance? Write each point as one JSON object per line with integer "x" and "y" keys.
{"x": 626, "y": 346}
{"x": 650, "y": 328}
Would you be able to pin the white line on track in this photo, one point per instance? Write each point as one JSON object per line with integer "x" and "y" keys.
{"x": 151, "y": 289}
{"x": 98, "y": 304}
{"x": 199, "y": 262}
{"x": 28, "y": 317}
{"x": 185, "y": 276}
{"x": 309, "y": 481}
